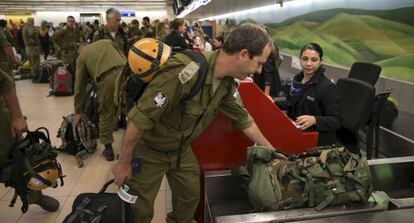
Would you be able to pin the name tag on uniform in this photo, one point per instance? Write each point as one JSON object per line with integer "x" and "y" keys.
{"x": 188, "y": 72}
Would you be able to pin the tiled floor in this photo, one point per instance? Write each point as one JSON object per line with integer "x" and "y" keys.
{"x": 41, "y": 110}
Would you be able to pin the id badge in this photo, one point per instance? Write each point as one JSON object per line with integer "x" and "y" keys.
{"x": 136, "y": 164}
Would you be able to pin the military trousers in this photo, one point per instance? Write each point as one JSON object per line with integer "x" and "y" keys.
{"x": 184, "y": 183}
{"x": 6, "y": 144}
{"x": 69, "y": 57}
{"x": 33, "y": 53}
{"x": 107, "y": 109}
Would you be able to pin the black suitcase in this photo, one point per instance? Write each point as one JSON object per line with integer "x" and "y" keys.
{"x": 100, "y": 208}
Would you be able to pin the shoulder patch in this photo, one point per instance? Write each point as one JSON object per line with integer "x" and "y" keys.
{"x": 160, "y": 99}
{"x": 188, "y": 72}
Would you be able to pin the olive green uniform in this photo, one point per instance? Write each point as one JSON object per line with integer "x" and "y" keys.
{"x": 68, "y": 40}
{"x": 120, "y": 38}
{"x": 4, "y": 62}
{"x": 102, "y": 61}
{"x": 158, "y": 114}
{"x": 32, "y": 43}
{"x": 6, "y": 139}
{"x": 133, "y": 32}
{"x": 148, "y": 31}
{"x": 10, "y": 37}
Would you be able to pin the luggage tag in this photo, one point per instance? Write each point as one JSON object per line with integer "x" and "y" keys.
{"x": 125, "y": 196}
{"x": 136, "y": 164}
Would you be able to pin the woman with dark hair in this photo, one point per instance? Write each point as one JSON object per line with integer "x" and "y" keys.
{"x": 313, "y": 101}
{"x": 176, "y": 38}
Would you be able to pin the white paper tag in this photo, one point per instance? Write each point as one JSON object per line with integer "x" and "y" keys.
{"x": 122, "y": 193}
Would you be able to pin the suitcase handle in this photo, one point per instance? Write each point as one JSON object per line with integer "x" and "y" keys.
{"x": 105, "y": 186}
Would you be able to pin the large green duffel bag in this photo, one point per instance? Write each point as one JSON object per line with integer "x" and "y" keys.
{"x": 315, "y": 179}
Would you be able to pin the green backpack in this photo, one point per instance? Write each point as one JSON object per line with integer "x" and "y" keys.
{"x": 315, "y": 179}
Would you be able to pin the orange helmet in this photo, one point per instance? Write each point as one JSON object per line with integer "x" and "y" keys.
{"x": 146, "y": 56}
{"x": 46, "y": 174}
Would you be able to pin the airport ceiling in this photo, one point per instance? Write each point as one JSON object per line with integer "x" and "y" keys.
{"x": 215, "y": 7}
{"x": 81, "y": 5}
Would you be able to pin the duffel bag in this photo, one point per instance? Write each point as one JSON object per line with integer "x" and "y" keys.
{"x": 100, "y": 207}
{"x": 320, "y": 178}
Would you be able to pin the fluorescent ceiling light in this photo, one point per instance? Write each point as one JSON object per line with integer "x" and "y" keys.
{"x": 248, "y": 11}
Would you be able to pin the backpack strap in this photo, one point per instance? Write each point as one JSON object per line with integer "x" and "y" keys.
{"x": 202, "y": 73}
{"x": 98, "y": 217}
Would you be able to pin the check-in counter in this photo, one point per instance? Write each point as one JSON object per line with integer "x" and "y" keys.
{"x": 226, "y": 201}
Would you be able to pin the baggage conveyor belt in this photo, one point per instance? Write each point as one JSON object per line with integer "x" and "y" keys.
{"x": 227, "y": 202}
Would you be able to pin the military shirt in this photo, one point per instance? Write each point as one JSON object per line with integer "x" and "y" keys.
{"x": 135, "y": 31}
{"x": 30, "y": 36}
{"x": 158, "y": 110}
{"x": 6, "y": 82}
{"x": 67, "y": 38}
{"x": 96, "y": 59}
{"x": 120, "y": 38}
{"x": 3, "y": 44}
{"x": 9, "y": 37}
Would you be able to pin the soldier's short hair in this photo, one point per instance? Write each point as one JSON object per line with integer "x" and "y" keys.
{"x": 70, "y": 17}
{"x": 3, "y": 23}
{"x": 111, "y": 12}
{"x": 134, "y": 22}
{"x": 247, "y": 36}
{"x": 146, "y": 18}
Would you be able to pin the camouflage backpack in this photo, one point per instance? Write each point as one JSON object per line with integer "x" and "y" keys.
{"x": 315, "y": 179}
{"x": 80, "y": 140}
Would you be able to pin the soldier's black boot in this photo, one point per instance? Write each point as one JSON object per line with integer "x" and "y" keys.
{"x": 48, "y": 203}
{"x": 108, "y": 152}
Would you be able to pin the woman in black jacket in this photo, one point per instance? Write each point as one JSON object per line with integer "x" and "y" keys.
{"x": 176, "y": 39}
{"x": 313, "y": 101}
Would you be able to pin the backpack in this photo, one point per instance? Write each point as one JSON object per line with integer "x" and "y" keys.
{"x": 320, "y": 178}
{"x": 78, "y": 141}
{"x": 44, "y": 75}
{"x": 99, "y": 207}
{"x": 129, "y": 88}
{"x": 32, "y": 166}
{"x": 62, "y": 82}
{"x": 91, "y": 105}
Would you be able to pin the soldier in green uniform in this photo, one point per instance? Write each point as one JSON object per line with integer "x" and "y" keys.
{"x": 6, "y": 54}
{"x": 134, "y": 33}
{"x": 156, "y": 128}
{"x": 103, "y": 62}
{"x": 32, "y": 43}
{"x": 12, "y": 125}
{"x": 7, "y": 33}
{"x": 68, "y": 40}
{"x": 147, "y": 29}
{"x": 112, "y": 30}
